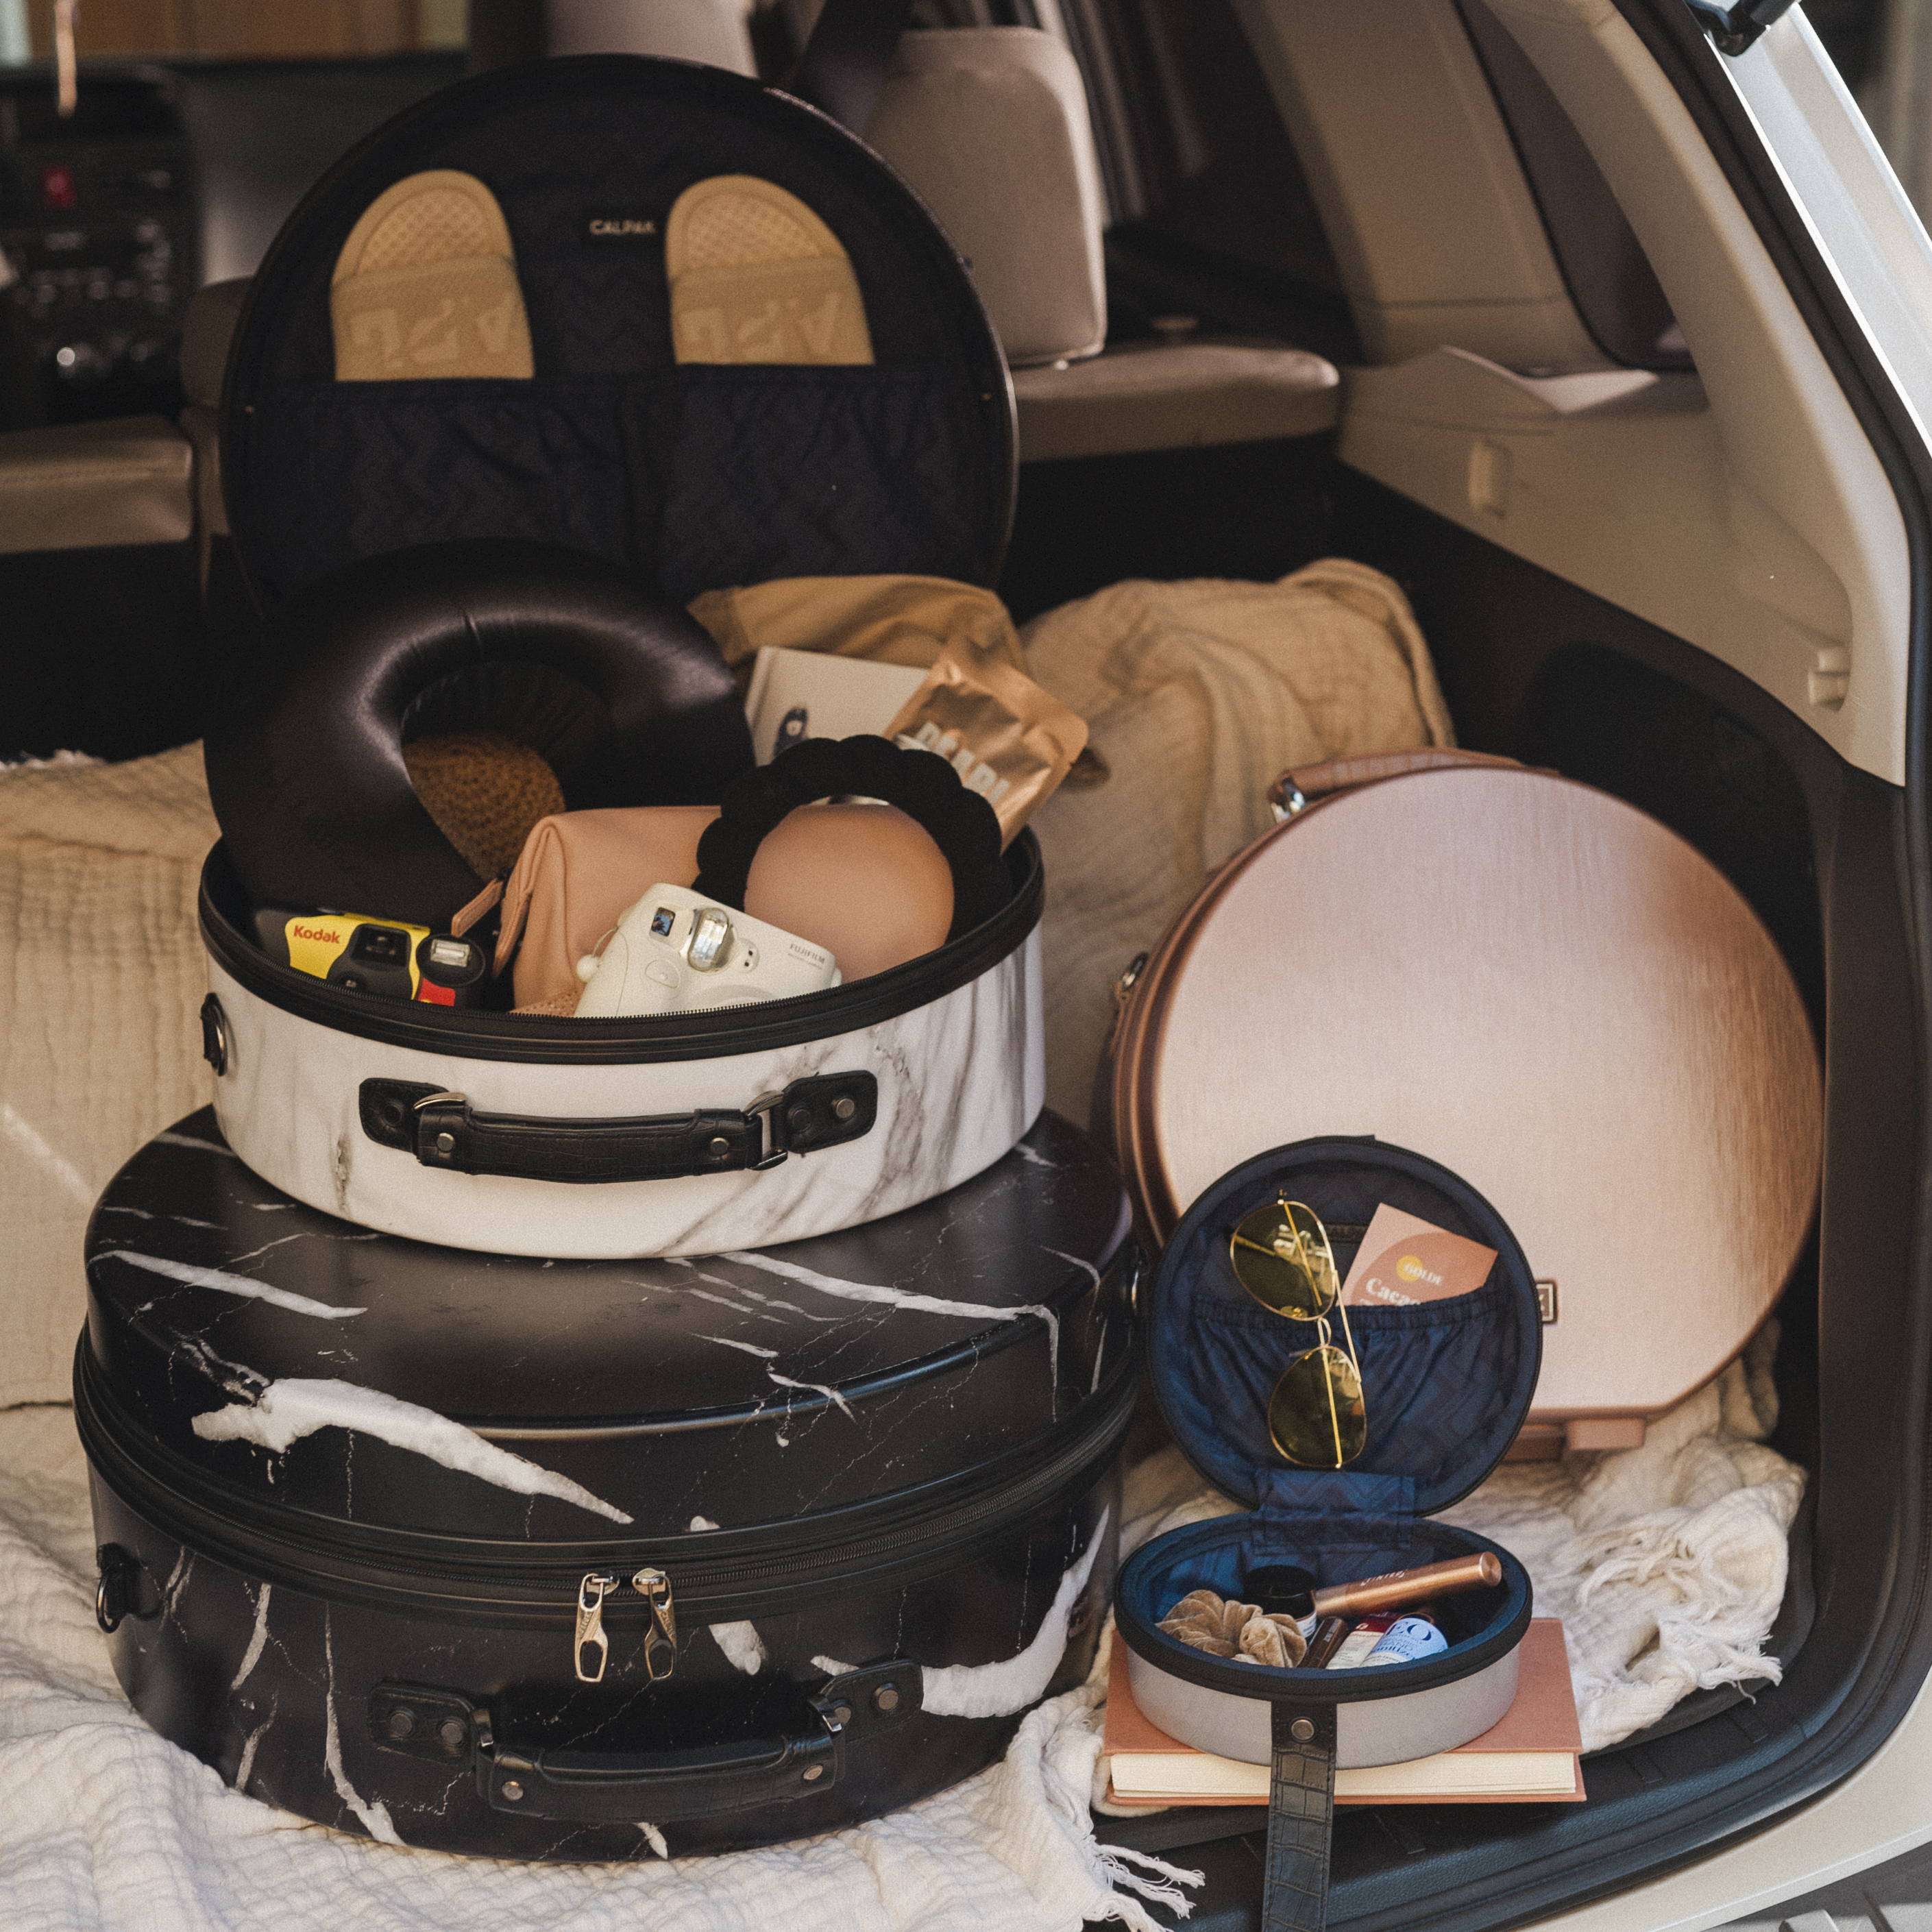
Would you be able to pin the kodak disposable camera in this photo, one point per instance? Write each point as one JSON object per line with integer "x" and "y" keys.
{"x": 675, "y": 952}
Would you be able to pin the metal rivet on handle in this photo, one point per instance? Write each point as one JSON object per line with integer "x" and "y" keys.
{"x": 1301, "y": 1730}
{"x": 844, "y": 1108}
{"x": 446, "y": 1143}
{"x": 512, "y": 1791}
{"x": 813, "y": 1773}
{"x": 720, "y": 1147}
{"x": 402, "y": 1722}
{"x": 886, "y": 1696}
{"x": 453, "y": 1732}
{"x": 840, "y": 1714}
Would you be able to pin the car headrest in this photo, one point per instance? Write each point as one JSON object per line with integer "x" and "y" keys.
{"x": 625, "y": 696}
{"x": 717, "y": 32}
{"x": 990, "y": 126}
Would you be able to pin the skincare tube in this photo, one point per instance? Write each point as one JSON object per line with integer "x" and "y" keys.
{"x": 1402, "y": 1589}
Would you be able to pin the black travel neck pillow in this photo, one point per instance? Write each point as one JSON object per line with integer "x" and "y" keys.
{"x": 922, "y": 785}
{"x": 635, "y": 706}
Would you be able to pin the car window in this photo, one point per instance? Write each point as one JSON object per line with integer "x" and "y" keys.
{"x": 1610, "y": 280}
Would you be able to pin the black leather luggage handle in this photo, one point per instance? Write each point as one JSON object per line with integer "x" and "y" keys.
{"x": 421, "y": 1721}
{"x": 1301, "y": 1818}
{"x": 442, "y": 1130}
{"x": 660, "y": 1786}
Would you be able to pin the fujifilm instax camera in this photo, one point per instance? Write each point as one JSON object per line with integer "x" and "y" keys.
{"x": 675, "y": 952}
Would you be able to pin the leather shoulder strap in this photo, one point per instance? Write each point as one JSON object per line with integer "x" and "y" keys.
{"x": 1301, "y": 1817}
{"x": 844, "y": 64}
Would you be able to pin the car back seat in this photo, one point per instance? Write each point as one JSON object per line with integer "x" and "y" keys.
{"x": 990, "y": 125}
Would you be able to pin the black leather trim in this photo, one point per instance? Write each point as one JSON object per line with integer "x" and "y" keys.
{"x": 442, "y": 1131}
{"x": 1328, "y": 1686}
{"x": 1301, "y": 1818}
{"x": 470, "y": 1034}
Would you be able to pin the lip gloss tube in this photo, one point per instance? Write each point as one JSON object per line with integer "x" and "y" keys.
{"x": 1400, "y": 1589}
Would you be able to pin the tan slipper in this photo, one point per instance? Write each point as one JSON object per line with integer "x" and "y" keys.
{"x": 486, "y": 794}
{"x": 426, "y": 286}
{"x": 756, "y": 276}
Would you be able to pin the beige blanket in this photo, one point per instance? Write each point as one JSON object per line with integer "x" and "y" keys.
{"x": 1198, "y": 695}
{"x": 101, "y": 976}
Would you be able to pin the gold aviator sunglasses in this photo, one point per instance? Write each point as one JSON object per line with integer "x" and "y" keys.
{"x": 1281, "y": 1256}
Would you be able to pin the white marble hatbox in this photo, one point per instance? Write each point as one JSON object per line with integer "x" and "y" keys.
{"x": 691, "y": 1134}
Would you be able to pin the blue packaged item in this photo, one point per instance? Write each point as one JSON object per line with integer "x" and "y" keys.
{"x": 1408, "y": 1640}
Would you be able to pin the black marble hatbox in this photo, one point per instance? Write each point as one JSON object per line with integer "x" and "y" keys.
{"x": 602, "y": 1559}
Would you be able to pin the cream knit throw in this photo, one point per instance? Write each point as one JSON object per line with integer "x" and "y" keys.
{"x": 1198, "y": 695}
{"x": 101, "y": 976}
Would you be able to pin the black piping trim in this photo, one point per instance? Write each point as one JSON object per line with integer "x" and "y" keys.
{"x": 1122, "y": 1259}
{"x": 743, "y": 1571}
{"x": 466, "y": 1034}
{"x": 1333, "y": 1687}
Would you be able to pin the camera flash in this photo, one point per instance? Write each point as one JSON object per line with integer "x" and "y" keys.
{"x": 710, "y": 934}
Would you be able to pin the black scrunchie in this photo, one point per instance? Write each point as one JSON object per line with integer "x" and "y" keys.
{"x": 921, "y": 784}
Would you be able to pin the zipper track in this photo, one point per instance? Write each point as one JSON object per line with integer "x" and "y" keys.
{"x": 473, "y": 1033}
{"x": 542, "y": 1592}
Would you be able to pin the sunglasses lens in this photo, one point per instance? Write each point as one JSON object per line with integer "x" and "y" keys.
{"x": 1315, "y": 1415}
{"x": 1281, "y": 1256}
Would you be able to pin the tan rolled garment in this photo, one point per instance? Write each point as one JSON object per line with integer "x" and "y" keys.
{"x": 901, "y": 620}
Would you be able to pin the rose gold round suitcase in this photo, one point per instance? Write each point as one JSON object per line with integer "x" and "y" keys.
{"x": 1537, "y": 986}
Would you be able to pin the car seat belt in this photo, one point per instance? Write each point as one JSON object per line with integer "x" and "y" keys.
{"x": 843, "y": 67}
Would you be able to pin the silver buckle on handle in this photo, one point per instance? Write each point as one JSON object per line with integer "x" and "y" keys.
{"x": 765, "y": 1110}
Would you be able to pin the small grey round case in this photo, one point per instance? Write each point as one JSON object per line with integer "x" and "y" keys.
{"x": 1445, "y": 1384}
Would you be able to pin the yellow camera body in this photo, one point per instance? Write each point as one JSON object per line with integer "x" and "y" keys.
{"x": 360, "y": 955}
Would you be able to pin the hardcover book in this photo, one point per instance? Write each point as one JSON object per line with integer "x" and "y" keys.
{"x": 1531, "y": 1757}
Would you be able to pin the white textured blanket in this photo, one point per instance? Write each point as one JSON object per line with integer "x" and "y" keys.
{"x": 101, "y": 972}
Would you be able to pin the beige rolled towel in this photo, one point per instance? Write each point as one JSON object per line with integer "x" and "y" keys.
{"x": 887, "y": 619}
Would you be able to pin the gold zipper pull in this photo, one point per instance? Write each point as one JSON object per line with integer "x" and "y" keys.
{"x": 591, "y": 1641}
{"x": 661, "y": 1633}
